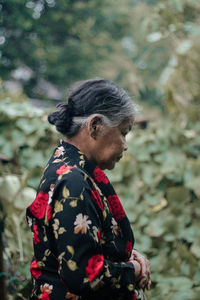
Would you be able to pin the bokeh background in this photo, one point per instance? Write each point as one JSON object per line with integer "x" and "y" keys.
{"x": 152, "y": 49}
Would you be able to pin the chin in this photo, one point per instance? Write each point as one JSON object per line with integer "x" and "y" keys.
{"x": 107, "y": 165}
{"x": 110, "y": 166}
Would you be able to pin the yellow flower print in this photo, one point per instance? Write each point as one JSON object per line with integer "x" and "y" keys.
{"x": 82, "y": 224}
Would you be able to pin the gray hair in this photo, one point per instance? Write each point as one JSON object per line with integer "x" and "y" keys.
{"x": 95, "y": 96}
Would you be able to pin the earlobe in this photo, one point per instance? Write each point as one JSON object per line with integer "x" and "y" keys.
{"x": 93, "y": 135}
{"x": 95, "y": 126}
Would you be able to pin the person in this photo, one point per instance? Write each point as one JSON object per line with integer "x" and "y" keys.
{"x": 83, "y": 241}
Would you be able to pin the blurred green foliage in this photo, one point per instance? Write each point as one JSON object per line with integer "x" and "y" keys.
{"x": 24, "y": 140}
{"x": 158, "y": 180}
{"x": 152, "y": 49}
{"x": 63, "y": 41}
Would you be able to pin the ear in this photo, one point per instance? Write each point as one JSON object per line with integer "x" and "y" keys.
{"x": 95, "y": 126}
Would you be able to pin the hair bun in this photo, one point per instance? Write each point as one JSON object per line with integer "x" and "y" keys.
{"x": 53, "y": 117}
{"x": 62, "y": 118}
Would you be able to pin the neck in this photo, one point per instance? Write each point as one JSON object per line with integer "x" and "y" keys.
{"x": 81, "y": 141}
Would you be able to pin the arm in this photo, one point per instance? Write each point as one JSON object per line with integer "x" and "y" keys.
{"x": 82, "y": 265}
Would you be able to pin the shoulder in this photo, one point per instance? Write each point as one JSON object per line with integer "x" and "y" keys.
{"x": 72, "y": 180}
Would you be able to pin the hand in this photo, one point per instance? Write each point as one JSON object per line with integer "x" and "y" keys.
{"x": 137, "y": 268}
{"x": 145, "y": 276}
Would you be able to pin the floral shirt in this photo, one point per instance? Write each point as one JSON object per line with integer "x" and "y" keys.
{"x": 82, "y": 238}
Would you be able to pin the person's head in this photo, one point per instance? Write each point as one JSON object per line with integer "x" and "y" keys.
{"x": 100, "y": 109}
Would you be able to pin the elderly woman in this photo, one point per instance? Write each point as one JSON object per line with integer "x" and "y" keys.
{"x": 83, "y": 242}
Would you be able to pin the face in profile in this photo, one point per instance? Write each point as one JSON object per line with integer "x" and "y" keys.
{"x": 110, "y": 145}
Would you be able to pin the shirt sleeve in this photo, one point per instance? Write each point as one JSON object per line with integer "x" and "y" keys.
{"x": 76, "y": 227}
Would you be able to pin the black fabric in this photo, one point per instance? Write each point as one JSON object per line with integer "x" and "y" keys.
{"x": 81, "y": 235}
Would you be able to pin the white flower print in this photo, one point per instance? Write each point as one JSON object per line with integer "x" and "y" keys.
{"x": 30, "y": 221}
{"x": 46, "y": 288}
{"x": 59, "y": 151}
{"x": 50, "y": 193}
{"x": 82, "y": 224}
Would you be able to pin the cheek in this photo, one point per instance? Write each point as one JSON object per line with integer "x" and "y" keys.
{"x": 116, "y": 149}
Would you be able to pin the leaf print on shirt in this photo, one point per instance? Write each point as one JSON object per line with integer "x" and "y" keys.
{"x": 70, "y": 250}
{"x": 65, "y": 192}
{"x": 115, "y": 228}
{"x": 71, "y": 296}
{"x": 97, "y": 283}
{"x": 72, "y": 265}
{"x": 95, "y": 230}
{"x": 96, "y": 234}
{"x": 58, "y": 207}
{"x": 82, "y": 160}
{"x": 56, "y": 229}
{"x": 48, "y": 214}
{"x": 73, "y": 203}
{"x": 115, "y": 282}
{"x": 82, "y": 224}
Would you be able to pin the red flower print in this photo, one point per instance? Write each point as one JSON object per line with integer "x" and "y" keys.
{"x": 100, "y": 176}
{"x": 96, "y": 197}
{"x": 45, "y": 296}
{"x": 46, "y": 289}
{"x": 134, "y": 297}
{"x": 64, "y": 169}
{"x": 129, "y": 248}
{"x": 95, "y": 266}
{"x": 35, "y": 237}
{"x": 38, "y": 207}
{"x": 99, "y": 235}
{"x": 49, "y": 213}
{"x": 116, "y": 208}
{"x": 35, "y": 271}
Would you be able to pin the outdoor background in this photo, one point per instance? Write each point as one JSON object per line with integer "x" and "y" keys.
{"x": 152, "y": 49}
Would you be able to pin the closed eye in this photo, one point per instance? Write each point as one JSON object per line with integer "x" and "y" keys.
{"x": 124, "y": 133}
